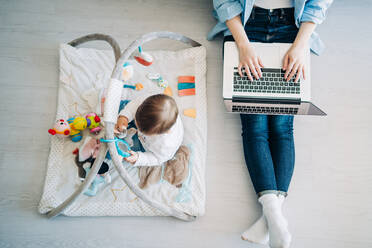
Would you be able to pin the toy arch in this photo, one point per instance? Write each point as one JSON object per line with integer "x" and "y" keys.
{"x": 111, "y": 100}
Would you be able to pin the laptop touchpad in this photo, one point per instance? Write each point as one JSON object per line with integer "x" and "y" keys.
{"x": 270, "y": 56}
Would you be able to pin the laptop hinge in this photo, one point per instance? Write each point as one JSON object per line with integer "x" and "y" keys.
{"x": 271, "y": 100}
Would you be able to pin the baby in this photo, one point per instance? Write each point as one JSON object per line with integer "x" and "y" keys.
{"x": 160, "y": 129}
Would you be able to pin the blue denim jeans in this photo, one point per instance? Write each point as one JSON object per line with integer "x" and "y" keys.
{"x": 268, "y": 139}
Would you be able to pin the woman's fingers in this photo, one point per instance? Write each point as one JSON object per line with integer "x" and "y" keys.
{"x": 258, "y": 68}
{"x": 260, "y": 62}
{"x": 285, "y": 62}
{"x": 299, "y": 71}
{"x": 288, "y": 69}
{"x": 248, "y": 72}
{"x": 293, "y": 71}
{"x": 252, "y": 67}
{"x": 303, "y": 72}
{"x": 240, "y": 69}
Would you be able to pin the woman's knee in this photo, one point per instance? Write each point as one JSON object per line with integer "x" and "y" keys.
{"x": 281, "y": 124}
{"x": 254, "y": 125}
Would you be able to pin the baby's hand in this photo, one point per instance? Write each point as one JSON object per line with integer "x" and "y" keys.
{"x": 121, "y": 124}
{"x": 132, "y": 158}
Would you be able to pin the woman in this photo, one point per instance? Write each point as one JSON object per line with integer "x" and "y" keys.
{"x": 268, "y": 140}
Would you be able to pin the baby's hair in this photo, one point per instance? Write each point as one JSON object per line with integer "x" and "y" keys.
{"x": 157, "y": 114}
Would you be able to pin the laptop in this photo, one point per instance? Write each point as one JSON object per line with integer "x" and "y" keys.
{"x": 270, "y": 94}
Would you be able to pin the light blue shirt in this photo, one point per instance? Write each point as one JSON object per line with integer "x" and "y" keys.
{"x": 305, "y": 11}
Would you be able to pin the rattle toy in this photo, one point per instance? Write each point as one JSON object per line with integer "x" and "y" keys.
{"x": 121, "y": 146}
{"x": 61, "y": 128}
{"x": 127, "y": 72}
{"x": 137, "y": 86}
{"x": 156, "y": 77}
{"x": 143, "y": 58}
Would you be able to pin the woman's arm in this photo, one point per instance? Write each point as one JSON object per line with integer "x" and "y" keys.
{"x": 294, "y": 60}
{"x": 247, "y": 55}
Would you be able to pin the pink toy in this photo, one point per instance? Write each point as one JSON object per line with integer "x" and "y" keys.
{"x": 61, "y": 128}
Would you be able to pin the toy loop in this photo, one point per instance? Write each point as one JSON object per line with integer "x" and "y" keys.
{"x": 117, "y": 141}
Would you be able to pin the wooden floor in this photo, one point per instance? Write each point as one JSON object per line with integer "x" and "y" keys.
{"x": 329, "y": 203}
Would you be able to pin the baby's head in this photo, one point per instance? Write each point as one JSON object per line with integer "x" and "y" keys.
{"x": 156, "y": 115}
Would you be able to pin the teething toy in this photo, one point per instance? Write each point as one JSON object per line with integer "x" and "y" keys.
{"x": 137, "y": 86}
{"x": 156, "y": 77}
{"x": 143, "y": 58}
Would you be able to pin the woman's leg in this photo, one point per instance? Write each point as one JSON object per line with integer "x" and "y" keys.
{"x": 255, "y": 132}
{"x": 282, "y": 149}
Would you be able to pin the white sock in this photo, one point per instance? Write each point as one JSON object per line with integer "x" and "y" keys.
{"x": 259, "y": 232}
{"x": 279, "y": 236}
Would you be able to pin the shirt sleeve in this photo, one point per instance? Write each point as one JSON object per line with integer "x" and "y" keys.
{"x": 315, "y": 11}
{"x": 227, "y": 9}
{"x": 130, "y": 109}
{"x": 151, "y": 159}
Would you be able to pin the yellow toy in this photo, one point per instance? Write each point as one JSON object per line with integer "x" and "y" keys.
{"x": 190, "y": 112}
{"x": 79, "y": 123}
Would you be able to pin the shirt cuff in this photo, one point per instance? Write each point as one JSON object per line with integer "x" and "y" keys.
{"x": 139, "y": 161}
{"x": 228, "y": 11}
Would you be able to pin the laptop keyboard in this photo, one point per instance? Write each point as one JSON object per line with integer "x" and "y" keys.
{"x": 264, "y": 110}
{"x": 272, "y": 81}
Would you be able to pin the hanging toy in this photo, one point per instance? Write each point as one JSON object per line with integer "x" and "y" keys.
{"x": 127, "y": 72}
{"x": 61, "y": 129}
{"x": 156, "y": 77}
{"x": 137, "y": 86}
{"x": 143, "y": 58}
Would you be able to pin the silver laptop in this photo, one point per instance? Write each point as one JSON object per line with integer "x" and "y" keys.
{"x": 270, "y": 94}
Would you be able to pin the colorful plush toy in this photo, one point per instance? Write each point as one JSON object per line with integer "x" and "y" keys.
{"x": 93, "y": 123}
{"x": 77, "y": 124}
{"x": 143, "y": 58}
{"x": 61, "y": 129}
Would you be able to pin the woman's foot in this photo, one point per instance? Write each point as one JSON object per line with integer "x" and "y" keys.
{"x": 258, "y": 232}
{"x": 279, "y": 236}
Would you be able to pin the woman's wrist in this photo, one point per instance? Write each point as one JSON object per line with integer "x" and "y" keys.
{"x": 242, "y": 45}
{"x": 304, "y": 34}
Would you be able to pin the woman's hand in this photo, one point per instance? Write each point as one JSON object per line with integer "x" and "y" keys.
{"x": 294, "y": 62}
{"x": 121, "y": 124}
{"x": 247, "y": 55}
{"x": 294, "y": 59}
{"x": 132, "y": 158}
{"x": 249, "y": 60}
